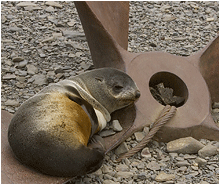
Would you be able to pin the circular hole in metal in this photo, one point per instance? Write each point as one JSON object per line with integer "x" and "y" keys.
{"x": 168, "y": 89}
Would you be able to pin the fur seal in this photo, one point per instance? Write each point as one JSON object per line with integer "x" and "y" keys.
{"x": 54, "y": 132}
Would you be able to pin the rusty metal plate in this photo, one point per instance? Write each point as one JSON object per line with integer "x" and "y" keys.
{"x": 196, "y": 77}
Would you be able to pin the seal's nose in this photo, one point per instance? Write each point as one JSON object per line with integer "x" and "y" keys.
{"x": 137, "y": 94}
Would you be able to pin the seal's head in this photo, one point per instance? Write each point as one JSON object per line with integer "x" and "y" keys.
{"x": 114, "y": 89}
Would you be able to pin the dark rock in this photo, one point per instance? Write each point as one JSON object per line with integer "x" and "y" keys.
{"x": 59, "y": 70}
{"x": 152, "y": 45}
{"x": 17, "y": 59}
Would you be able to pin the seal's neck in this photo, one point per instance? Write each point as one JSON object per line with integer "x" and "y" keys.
{"x": 85, "y": 94}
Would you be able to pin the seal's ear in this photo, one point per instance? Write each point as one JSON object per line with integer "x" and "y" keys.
{"x": 99, "y": 79}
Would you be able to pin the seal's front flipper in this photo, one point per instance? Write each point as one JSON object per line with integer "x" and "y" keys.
{"x": 97, "y": 142}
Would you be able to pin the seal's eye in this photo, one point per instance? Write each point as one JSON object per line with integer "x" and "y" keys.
{"x": 118, "y": 87}
{"x": 100, "y": 79}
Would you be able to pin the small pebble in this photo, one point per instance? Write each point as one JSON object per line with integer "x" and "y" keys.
{"x": 163, "y": 177}
{"x": 122, "y": 148}
{"x": 139, "y": 136}
{"x": 116, "y": 126}
{"x": 208, "y": 151}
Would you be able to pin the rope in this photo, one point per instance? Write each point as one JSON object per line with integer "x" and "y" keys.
{"x": 166, "y": 114}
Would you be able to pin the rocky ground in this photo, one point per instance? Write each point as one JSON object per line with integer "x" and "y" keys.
{"x": 44, "y": 43}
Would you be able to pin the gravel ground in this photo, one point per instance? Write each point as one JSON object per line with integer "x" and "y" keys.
{"x": 45, "y": 43}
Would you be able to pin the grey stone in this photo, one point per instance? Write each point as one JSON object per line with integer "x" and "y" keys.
{"x": 20, "y": 85}
{"x": 9, "y": 76}
{"x": 179, "y": 38}
{"x": 165, "y": 7}
{"x": 97, "y": 172}
{"x": 84, "y": 65}
{"x": 153, "y": 165}
{"x": 193, "y": 174}
{"x": 182, "y": 163}
{"x": 107, "y": 181}
{"x": 8, "y": 62}
{"x": 42, "y": 55}
{"x": 164, "y": 159}
{"x": 209, "y": 19}
{"x": 168, "y": 18}
{"x": 79, "y": 54}
{"x": 30, "y": 8}
{"x": 122, "y": 148}
{"x": 26, "y": 3}
{"x": 182, "y": 169}
{"x": 135, "y": 163}
{"x": 49, "y": 9}
{"x": 116, "y": 126}
{"x": 55, "y": 34}
{"x": 127, "y": 162}
{"x": 107, "y": 133}
{"x": 60, "y": 24}
{"x": 22, "y": 64}
{"x": 203, "y": 182}
{"x": 187, "y": 156}
{"x": 14, "y": 29}
{"x": 71, "y": 23}
{"x": 74, "y": 35}
{"x": 208, "y": 151}
{"x": 31, "y": 69}
{"x": 10, "y": 17}
{"x": 105, "y": 169}
{"x": 173, "y": 155}
{"x": 40, "y": 79}
{"x": 146, "y": 153}
{"x": 179, "y": 158}
{"x": 141, "y": 165}
{"x": 122, "y": 168}
{"x": 59, "y": 75}
{"x": 21, "y": 79}
{"x": 124, "y": 175}
{"x": 195, "y": 167}
{"x": 71, "y": 55}
{"x": 59, "y": 70}
{"x": 107, "y": 176}
{"x": 163, "y": 177}
{"x": 146, "y": 130}
{"x": 142, "y": 176}
{"x": 215, "y": 105}
{"x": 49, "y": 39}
{"x": 52, "y": 19}
{"x": 139, "y": 136}
{"x": 211, "y": 167}
{"x": 54, "y": 4}
{"x": 50, "y": 73}
{"x": 12, "y": 103}
{"x": 3, "y": 19}
{"x": 22, "y": 73}
{"x": 184, "y": 145}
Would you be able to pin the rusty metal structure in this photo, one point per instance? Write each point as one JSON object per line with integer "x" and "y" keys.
{"x": 196, "y": 78}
